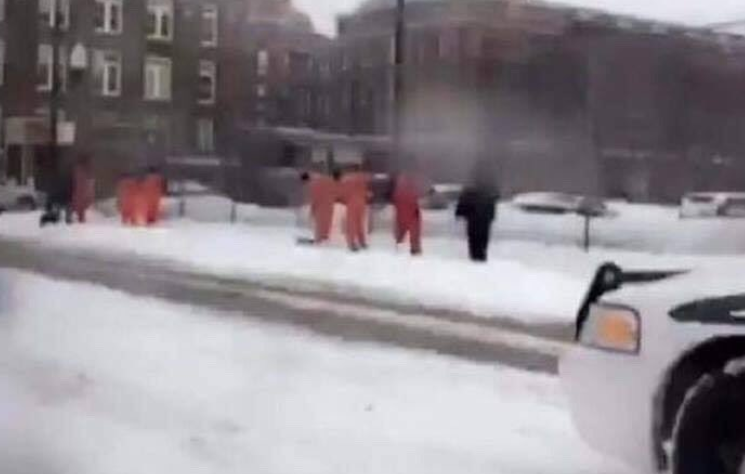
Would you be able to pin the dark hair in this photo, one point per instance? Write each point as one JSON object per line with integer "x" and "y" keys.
{"x": 305, "y": 176}
{"x": 336, "y": 174}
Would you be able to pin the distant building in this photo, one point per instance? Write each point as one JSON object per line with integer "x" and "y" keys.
{"x": 564, "y": 99}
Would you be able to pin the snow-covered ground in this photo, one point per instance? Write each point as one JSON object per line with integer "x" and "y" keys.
{"x": 98, "y": 382}
{"x": 537, "y": 274}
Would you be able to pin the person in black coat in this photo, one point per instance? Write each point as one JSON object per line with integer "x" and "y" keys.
{"x": 59, "y": 200}
{"x": 477, "y": 206}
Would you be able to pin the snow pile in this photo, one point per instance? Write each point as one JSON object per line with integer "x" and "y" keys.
{"x": 534, "y": 281}
{"x": 503, "y": 288}
{"x": 123, "y": 385}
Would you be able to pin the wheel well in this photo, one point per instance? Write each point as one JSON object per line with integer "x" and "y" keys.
{"x": 707, "y": 357}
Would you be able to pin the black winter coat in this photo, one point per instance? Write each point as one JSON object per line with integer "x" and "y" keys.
{"x": 477, "y": 204}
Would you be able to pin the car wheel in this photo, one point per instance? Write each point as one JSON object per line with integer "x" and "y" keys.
{"x": 710, "y": 430}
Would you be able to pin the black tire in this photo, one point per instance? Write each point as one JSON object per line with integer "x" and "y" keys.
{"x": 710, "y": 431}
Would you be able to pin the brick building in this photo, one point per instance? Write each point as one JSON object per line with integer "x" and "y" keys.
{"x": 562, "y": 98}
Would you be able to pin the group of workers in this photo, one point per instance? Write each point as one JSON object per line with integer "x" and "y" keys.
{"x": 477, "y": 206}
{"x": 353, "y": 190}
{"x": 139, "y": 198}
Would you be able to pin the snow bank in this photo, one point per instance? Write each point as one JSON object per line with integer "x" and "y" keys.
{"x": 124, "y": 385}
{"x": 503, "y": 288}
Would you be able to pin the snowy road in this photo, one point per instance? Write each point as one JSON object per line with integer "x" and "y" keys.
{"x": 534, "y": 348}
{"x": 94, "y": 381}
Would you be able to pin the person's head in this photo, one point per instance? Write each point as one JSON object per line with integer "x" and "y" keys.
{"x": 336, "y": 174}
{"x": 484, "y": 173}
{"x": 304, "y": 176}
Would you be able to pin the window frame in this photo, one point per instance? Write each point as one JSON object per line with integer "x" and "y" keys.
{"x": 62, "y": 73}
{"x": 210, "y": 67}
{"x": 52, "y": 13}
{"x": 108, "y": 16}
{"x": 101, "y": 61}
{"x": 163, "y": 62}
{"x": 263, "y": 62}
{"x": 161, "y": 10}
{"x": 202, "y": 145}
{"x": 210, "y": 12}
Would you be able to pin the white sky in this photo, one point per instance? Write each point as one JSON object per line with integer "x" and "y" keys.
{"x": 698, "y": 12}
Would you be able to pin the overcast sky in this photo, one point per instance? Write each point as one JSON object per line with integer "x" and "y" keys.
{"x": 697, "y": 12}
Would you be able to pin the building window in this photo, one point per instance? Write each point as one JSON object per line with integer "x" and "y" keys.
{"x": 160, "y": 19}
{"x": 108, "y": 16}
{"x": 44, "y": 68}
{"x": 205, "y": 135}
{"x": 157, "y": 78}
{"x": 209, "y": 30}
{"x": 262, "y": 62}
{"x": 207, "y": 82}
{"x": 107, "y": 72}
{"x": 55, "y": 11}
{"x": 2, "y": 10}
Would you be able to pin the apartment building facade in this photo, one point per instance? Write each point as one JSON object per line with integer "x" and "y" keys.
{"x": 138, "y": 80}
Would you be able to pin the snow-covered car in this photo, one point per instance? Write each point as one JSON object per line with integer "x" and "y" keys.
{"x": 657, "y": 376}
{"x": 14, "y": 197}
{"x": 560, "y": 203}
{"x": 699, "y": 205}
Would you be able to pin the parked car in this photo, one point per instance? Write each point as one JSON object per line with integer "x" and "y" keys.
{"x": 657, "y": 375}
{"x": 442, "y": 196}
{"x": 560, "y": 203}
{"x": 14, "y": 197}
{"x": 700, "y": 205}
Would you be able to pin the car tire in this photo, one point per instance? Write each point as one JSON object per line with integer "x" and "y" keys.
{"x": 709, "y": 435}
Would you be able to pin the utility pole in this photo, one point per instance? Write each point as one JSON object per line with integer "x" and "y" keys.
{"x": 54, "y": 168}
{"x": 399, "y": 84}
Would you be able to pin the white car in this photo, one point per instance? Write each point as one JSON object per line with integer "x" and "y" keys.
{"x": 698, "y": 205}
{"x": 15, "y": 197}
{"x": 559, "y": 203}
{"x": 657, "y": 377}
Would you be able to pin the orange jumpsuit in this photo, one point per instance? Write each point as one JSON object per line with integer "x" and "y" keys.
{"x": 126, "y": 195}
{"x": 355, "y": 192}
{"x": 408, "y": 214}
{"x": 83, "y": 192}
{"x": 140, "y": 204}
{"x": 152, "y": 188}
{"x": 323, "y": 193}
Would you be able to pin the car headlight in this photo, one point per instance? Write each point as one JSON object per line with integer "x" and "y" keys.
{"x": 613, "y": 328}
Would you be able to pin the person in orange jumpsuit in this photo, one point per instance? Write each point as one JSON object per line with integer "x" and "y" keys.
{"x": 126, "y": 191}
{"x": 355, "y": 192}
{"x": 83, "y": 190}
{"x": 406, "y": 194}
{"x": 323, "y": 192}
{"x": 152, "y": 188}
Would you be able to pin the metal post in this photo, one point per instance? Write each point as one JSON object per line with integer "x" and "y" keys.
{"x": 399, "y": 83}
{"x": 54, "y": 174}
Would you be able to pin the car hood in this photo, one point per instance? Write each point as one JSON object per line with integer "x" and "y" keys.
{"x": 688, "y": 287}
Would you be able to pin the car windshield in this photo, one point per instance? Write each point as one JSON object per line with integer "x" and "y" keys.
{"x": 372, "y": 236}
